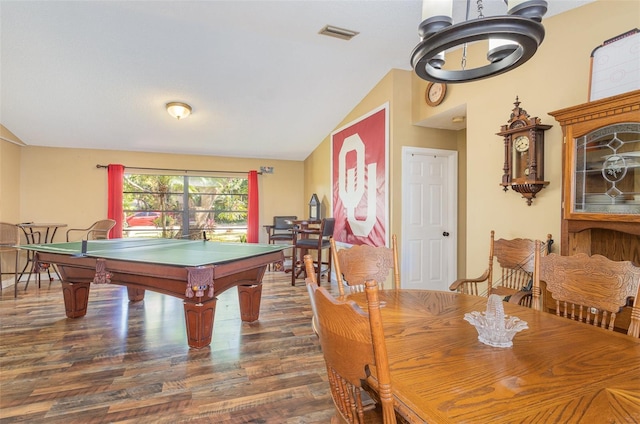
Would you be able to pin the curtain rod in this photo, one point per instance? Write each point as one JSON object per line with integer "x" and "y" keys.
{"x": 180, "y": 170}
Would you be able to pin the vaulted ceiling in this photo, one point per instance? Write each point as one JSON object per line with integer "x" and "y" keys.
{"x": 261, "y": 80}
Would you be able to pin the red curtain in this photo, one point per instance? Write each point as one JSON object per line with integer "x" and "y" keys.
{"x": 114, "y": 205}
{"x": 253, "y": 209}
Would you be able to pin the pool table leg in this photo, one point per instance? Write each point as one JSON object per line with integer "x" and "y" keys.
{"x": 199, "y": 320}
{"x": 76, "y": 298}
{"x": 135, "y": 295}
{"x": 249, "y": 297}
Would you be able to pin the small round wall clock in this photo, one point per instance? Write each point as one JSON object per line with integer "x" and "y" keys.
{"x": 434, "y": 95}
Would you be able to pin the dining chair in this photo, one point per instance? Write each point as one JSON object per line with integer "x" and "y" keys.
{"x": 313, "y": 239}
{"x": 590, "y": 289}
{"x": 99, "y": 230}
{"x": 311, "y": 279}
{"x": 281, "y": 231}
{"x": 9, "y": 242}
{"x": 515, "y": 258}
{"x": 356, "y": 264}
{"x": 352, "y": 342}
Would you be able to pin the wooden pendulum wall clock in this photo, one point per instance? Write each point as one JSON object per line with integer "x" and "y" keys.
{"x": 523, "y": 154}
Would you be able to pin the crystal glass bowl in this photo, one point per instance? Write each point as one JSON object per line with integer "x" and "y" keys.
{"x": 494, "y": 328}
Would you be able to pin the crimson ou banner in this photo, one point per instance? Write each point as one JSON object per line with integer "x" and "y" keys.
{"x": 359, "y": 177}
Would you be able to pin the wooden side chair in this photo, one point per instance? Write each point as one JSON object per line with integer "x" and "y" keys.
{"x": 515, "y": 258}
{"x": 9, "y": 240}
{"x": 356, "y": 264}
{"x": 590, "y": 289}
{"x": 311, "y": 279}
{"x": 353, "y": 341}
{"x": 99, "y": 230}
{"x": 314, "y": 239}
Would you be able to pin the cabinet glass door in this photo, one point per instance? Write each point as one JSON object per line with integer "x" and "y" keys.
{"x": 607, "y": 170}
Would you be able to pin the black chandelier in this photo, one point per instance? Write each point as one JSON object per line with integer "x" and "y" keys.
{"x": 513, "y": 39}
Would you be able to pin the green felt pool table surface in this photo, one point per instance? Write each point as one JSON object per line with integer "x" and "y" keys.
{"x": 196, "y": 271}
{"x": 162, "y": 251}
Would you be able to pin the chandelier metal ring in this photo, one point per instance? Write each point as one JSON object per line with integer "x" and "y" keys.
{"x": 527, "y": 33}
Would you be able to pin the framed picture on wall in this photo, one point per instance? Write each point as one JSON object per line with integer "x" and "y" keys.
{"x": 360, "y": 179}
{"x": 614, "y": 66}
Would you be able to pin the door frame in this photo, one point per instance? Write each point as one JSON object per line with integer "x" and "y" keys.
{"x": 452, "y": 201}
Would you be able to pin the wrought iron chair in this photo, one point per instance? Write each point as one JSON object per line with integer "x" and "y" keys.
{"x": 590, "y": 289}
{"x": 354, "y": 265}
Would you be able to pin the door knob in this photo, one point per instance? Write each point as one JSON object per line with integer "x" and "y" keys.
{"x": 446, "y": 234}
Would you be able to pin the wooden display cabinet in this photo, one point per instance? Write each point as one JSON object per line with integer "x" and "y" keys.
{"x": 601, "y": 179}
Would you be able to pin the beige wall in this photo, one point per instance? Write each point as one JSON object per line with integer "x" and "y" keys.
{"x": 64, "y": 185}
{"x": 41, "y": 184}
{"x": 9, "y": 197}
{"x": 556, "y": 77}
{"x": 9, "y": 181}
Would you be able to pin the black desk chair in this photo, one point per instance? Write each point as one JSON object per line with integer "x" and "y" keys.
{"x": 281, "y": 231}
{"x": 320, "y": 240}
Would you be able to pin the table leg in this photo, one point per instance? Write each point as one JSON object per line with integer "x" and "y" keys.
{"x": 76, "y": 298}
{"x": 199, "y": 321}
{"x": 135, "y": 295}
{"x": 249, "y": 297}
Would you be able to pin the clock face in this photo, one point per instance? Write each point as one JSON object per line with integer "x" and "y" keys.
{"x": 521, "y": 143}
{"x": 435, "y": 93}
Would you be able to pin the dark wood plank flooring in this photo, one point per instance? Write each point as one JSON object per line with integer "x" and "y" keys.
{"x": 129, "y": 362}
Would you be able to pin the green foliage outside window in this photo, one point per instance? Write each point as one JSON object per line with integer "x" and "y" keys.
{"x": 181, "y": 206}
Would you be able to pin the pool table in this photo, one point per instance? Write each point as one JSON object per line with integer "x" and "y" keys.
{"x": 196, "y": 271}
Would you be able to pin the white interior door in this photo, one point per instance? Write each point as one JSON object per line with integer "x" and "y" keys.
{"x": 429, "y": 218}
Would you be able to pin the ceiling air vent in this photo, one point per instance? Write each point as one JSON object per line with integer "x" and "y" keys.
{"x": 332, "y": 31}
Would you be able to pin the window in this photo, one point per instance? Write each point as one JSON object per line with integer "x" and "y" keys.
{"x": 185, "y": 206}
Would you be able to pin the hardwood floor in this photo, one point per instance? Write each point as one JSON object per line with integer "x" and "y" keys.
{"x": 130, "y": 363}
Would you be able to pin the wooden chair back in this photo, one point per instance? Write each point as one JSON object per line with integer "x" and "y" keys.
{"x": 311, "y": 280}
{"x": 99, "y": 230}
{"x": 590, "y": 289}
{"x": 359, "y": 263}
{"x": 310, "y": 269}
{"x": 353, "y": 341}
{"x": 515, "y": 260}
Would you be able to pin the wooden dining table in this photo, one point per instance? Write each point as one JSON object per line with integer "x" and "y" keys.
{"x": 557, "y": 371}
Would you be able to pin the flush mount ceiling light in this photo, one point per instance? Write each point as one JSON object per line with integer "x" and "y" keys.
{"x": 513, "y": 39}
{"x": 178, "y": 110}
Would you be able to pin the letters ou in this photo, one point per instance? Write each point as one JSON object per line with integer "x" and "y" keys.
{"x": 351, "y": 191}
